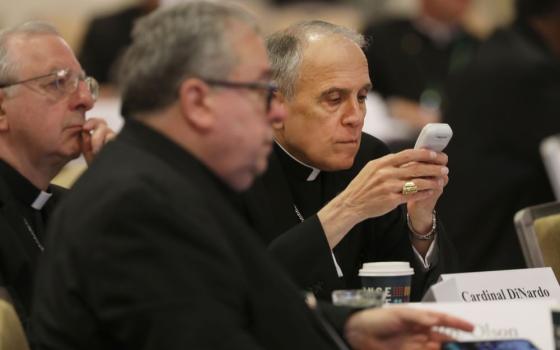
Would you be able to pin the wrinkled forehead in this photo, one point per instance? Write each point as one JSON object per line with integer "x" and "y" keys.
{"x": 328, "y": 50}
{"x": 36, "y": 54}
{"x": 334, "y": 60}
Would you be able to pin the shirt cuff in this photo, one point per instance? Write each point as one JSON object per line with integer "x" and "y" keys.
{"x": 431, "y": 257}
{"x": 337, "y": 267}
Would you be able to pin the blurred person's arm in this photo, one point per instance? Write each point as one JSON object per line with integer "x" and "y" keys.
{"x": 400, "y": 328}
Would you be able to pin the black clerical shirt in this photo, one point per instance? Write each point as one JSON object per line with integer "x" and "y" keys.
{"x": 309, "y": 189}
{"x": 25, "y": 194}
{"x": 21, "y": 236}
{"x": 306, "y": 184}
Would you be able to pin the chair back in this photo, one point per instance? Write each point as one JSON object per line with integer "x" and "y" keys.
{"x": 538, "y": 230}
{"x": 12, "y": 336}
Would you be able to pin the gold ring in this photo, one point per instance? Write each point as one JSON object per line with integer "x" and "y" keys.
{"x": 409, "y": 187}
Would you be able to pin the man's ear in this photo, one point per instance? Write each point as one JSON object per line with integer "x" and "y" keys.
{"x": 282, "y": 102}
{"x": 3, "y": 116}
{"x": 194, "y": 102}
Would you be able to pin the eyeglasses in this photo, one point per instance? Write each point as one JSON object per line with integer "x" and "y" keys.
{"x": 60, "y": 83}
{"x": 269, "y": 88}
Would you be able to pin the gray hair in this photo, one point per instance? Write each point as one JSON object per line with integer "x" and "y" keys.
{"x": 8, "y": 66}
{"x": 286, "y": 48}
{"x": 175, "y": 43}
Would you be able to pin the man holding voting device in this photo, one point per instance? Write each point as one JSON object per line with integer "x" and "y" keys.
{"x": 332, "y": 197}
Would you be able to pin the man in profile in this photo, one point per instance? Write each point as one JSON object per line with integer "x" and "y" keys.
{"x": 332, "y": 197}
{"x": 44, "y": 95}
{"x": 163, "y": 260}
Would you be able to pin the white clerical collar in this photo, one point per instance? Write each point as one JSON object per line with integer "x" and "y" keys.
{"x": 41, "y": 200}
{"x": 314, "y": 171}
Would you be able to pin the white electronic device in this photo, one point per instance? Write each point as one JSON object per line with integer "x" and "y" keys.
{"x": 434, "y": 136}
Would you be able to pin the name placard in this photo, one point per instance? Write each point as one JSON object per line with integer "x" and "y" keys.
{"x": 472, "y": 287}
{"x": 529, "y": 319}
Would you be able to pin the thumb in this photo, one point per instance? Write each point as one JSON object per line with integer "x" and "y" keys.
{"x": 87, "y": 150}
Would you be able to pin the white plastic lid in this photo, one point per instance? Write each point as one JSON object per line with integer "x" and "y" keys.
{"x": 386, "y": 268}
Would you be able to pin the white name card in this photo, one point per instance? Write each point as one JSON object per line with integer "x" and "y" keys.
{"x": 522, "y": 284}
{"x": 501, "y": 320}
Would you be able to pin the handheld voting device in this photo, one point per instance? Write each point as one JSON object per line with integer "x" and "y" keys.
{"x": 434, "y": 136}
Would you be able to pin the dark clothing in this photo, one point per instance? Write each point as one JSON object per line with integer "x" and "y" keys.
{"x": 18, "y": 249}
{"x": 500, "y": 109}
{"x": 105, "y": 40}
{"x": 162, "y": 260}
{"x": 302, "y": 248}
{"x": 404, "y": 62}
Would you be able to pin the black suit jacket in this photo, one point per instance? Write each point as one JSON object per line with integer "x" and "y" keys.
{"x": 302, "y": 248}
{"x": 148, "y": 252}
{"x": 500, "y": 109}
{"x": 18, "y": 250}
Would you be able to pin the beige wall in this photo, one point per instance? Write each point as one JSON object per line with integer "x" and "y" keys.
{"x": 69, "y": 16}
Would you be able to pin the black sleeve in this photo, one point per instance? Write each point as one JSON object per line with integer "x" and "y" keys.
{"x": 133, "y": 263}
{"x": 392, "y": 243}
{"x": 336, "y": 315}
{"x": 304, "y": 252}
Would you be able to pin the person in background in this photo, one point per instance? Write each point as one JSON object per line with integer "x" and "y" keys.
{"x": 107, "y": 37}
{"x": 163, "y": 260}
{"x": 44, "y": 95}
{"x": 332, "y": 197}
{"x": 410, "y": 61}
{"x": 501, "y": 107}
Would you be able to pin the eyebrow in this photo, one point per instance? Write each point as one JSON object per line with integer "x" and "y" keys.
{"x": 70, "y": 70}
{"x": 343, "y": 91}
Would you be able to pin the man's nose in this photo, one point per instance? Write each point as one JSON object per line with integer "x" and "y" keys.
{"x": 354, "y": 114}
{"x": 83, "y": 98}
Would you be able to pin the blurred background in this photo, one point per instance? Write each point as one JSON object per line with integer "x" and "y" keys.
{"x": 72, "y": 17}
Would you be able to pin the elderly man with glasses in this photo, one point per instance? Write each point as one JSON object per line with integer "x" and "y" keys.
{"x": 44, "y": 95}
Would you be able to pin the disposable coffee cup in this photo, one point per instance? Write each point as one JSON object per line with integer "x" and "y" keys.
{"x": 390, "y": 277}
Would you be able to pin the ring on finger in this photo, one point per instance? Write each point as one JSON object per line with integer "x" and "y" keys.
{"x": 409, "y": 187}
